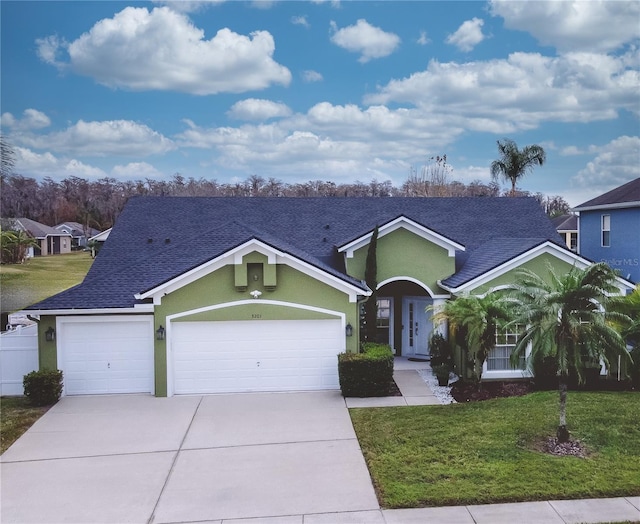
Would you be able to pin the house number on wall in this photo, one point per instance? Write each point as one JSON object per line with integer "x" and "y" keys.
{"x": 256, "y": 315}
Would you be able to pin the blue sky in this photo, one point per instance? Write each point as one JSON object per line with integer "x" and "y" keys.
{"x": 339, "y": 91}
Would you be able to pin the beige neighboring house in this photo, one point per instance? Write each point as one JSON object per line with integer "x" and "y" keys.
{"x": 50, "y": 240}
{"x": 567, "y": 228}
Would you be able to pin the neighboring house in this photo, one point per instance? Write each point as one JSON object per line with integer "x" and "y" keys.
{"x": 100, "y": 237}
{"x": 212, "y": 295}
{"x": 50, "y": 240}
{"x": 79, "y": 233}
{"x": 98, "y": 241}
{"x": 567, "y": 228}
{"x": 610, "y": 229}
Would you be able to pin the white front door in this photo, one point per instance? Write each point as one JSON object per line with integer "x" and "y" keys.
{"x": 417, "y": 326}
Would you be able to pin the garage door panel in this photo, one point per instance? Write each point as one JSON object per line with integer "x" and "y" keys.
{"x": 216, "y": 357}
{"x": 106, "y": 356}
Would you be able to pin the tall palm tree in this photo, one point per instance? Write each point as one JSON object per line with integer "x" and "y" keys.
{"x": 477, "y": 317}
{"x": 514, "y": 163}
{"x": 567, "y": 318}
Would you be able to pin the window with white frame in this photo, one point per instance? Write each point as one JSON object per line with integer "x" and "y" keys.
{"x": 384, "y": 313}
{"x": 499, "y": 358}
{"x": 606, "y": 230}
{"x": 573, "y": 241}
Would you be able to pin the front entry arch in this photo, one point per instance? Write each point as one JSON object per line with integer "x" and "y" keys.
{"x": 408, "y": 325}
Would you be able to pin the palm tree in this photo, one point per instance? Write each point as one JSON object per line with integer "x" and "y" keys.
{"x": 477, "y": 317}
{"x": 514, "y": 163}
{"x": 566, "y": 318}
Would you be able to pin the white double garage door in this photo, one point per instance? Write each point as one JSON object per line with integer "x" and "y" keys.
{"x": 115, "y": 355}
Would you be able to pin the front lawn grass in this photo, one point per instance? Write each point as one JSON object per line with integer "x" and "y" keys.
{"x": 40, "y": 277}
{"x": 484, "y": 452}
{"x": 16, "y": 417}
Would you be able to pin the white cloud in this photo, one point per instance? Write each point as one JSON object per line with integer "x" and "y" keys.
{"x": 300, "y": 20}
{"x": 468, "y": 35}
{"x": 615, "y": 164}
{"x": 135, "y": 171}
{"x": 106, "y": 138}
{"x": 371, "y": 42}
{"x": 49, "y": 49}
{"x": 572, "y": 25}
{"x": 423, "y": 39}
{"x": 311, "y": 76}
{"x": 163, "y": 50}
{"x": 30, "y": 163}
{"x": 32, "y": 119}
{"x": 340, "y": 140}
{"x": 188, "y": 6}
{"x": 571, "y": 151}
{"x": 256, "y": 109}
{"x": 521, "y": 92}
{"x": 262, "y": 4}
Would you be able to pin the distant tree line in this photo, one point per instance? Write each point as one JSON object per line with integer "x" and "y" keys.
{"x": 98, "y": 203}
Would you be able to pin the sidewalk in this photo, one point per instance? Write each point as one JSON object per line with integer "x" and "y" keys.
{"x": 551, "y": 512}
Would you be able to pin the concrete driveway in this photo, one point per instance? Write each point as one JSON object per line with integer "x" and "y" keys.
{"x": 130, "y": 458}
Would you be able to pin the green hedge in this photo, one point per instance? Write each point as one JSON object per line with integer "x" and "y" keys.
{"x": 366, "y": 374}
{"x": 43, "y": 388}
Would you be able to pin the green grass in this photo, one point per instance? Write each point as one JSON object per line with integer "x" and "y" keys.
{"x": 484, "y": 452}
{"x": 16, "y": 417}
{"x": 24, "y": 284}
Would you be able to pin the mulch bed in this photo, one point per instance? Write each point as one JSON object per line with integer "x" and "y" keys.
{"x": 469, "y": 392}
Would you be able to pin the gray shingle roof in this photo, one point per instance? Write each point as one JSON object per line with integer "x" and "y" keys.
{"x": 489, "y": 256}
{"x": 156, "y": 239}
{"x": 565, "y": 222}
{"x": 38, "y": 230}
{"x": 626, "y": 193}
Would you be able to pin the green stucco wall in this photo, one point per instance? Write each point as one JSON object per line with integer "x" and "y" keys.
{"x": 403, "y": 253}
{"x": 47, "y": 351}
{"x": 538, "y": 265}
{"x": 283, "y": 283}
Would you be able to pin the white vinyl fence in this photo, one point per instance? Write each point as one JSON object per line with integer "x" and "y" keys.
{"x": 18, "y": 356}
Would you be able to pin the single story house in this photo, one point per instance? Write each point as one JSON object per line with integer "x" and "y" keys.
{"x": 195, "y": 295}
{"x": 80, "y": 234}
{"x": 50, "y": 240}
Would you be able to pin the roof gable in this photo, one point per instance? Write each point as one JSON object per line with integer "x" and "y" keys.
{"x": 405, "y": 223}
{"x": 503, "y": 255}
{"x": 235, "y": 255}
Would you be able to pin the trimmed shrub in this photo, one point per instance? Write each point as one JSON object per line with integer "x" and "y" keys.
{"x": 440, "y": 350}
{"x": 366, "y": 374}
{"x": 43, "y": 388}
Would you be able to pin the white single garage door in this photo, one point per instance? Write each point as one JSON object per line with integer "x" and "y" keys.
{"x": 265, "y": 355}
{"x": 106, "y": 355}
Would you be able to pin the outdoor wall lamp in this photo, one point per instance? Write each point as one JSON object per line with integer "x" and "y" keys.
{"x": 160, "y": 333}
{"x": 50, "y": 334}
{"x": 349, "y": 330}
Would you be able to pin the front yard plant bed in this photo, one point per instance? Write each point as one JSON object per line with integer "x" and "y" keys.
{"x": 489, "y": 452}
